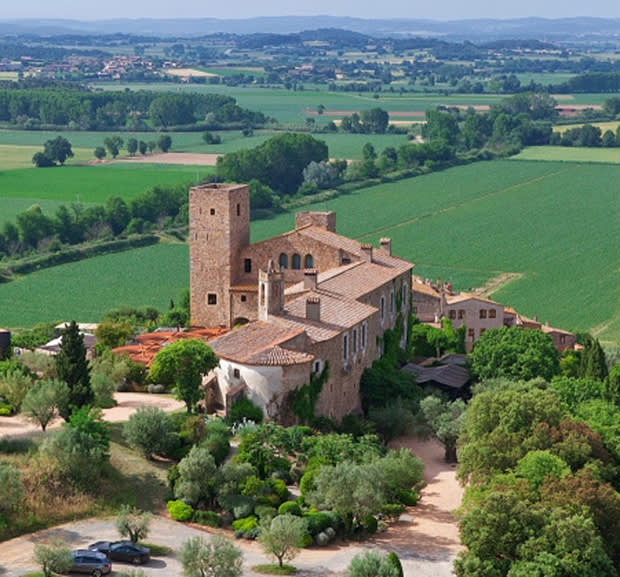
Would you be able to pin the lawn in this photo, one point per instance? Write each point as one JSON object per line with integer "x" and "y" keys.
{"x": 48, "y": 187}
{"x": 555, "y": 223}
{"x": 570, "y": 154}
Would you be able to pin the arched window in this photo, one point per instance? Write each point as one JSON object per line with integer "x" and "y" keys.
{"x": 283, "y": 260}
{"x": 296, "y": 264}
{"x": 308, "y": 261}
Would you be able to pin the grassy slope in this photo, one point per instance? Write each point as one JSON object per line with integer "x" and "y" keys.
{"x": 49, "y": 187}
{"x": 84, "y": 290}
{"x": 555, "y": 223}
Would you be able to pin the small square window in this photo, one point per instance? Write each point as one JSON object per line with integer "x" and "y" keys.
{"x": 243, "y": 298}
{"x": 236, "y": 373}
{"x": 212, "y": 211}
{"x": 247, "y": 265}
{"x": 482, "y": 331}
{"x": 492, "y": 313}
{"x": 461, "y": 314}
{"x": 211, "y": 299}
{"x": 452, "y": 314}
{"x": 470, "y": 333}
{"x": 483, "y": 313}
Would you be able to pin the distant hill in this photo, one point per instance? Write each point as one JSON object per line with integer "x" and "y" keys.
{"x": 473, "y": 30}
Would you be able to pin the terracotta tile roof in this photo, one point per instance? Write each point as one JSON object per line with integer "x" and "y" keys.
{"x": 149, "y": 344}
{"x": 422, "y": 287}
{"x": 337, "y": 313}
{"x": 252, "y": 343}
{"x": 509, "y": 311}
{"x": 462, "y": 297}
{"x": 547, "y": 329}
{"x": 278, "y": 356}
{"x": 356, "y": 279}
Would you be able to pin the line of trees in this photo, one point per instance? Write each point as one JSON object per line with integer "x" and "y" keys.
{"x": 159, "y": 207}
{"x": 82, "y": 109}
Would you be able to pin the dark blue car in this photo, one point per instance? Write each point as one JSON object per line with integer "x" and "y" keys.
{"x": 123, "y": 551}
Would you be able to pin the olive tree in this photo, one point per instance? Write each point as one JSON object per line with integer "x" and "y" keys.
{"x": 215, "y": 557}
{"x": 446, "y": 420}
{"x": 283, "y": 537}
{"x": 44, "y": 401}
{"x": 133, "y": 523}
{"x": 371, "y": 564}
{"x": 53, "y": 558}
{"x": 149, "y": 430}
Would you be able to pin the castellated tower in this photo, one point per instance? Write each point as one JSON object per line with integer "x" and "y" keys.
{"x": 219, "y": 228}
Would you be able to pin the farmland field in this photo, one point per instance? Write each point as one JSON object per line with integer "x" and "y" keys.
{"x": 83, "y": 290}
{"x": 12, "y": 156}
{"x": 49, "y": 187}
{"x": 570, "y": 154}
{"x": 612, "y": 125}
{"x": 556, "y": 224}
{"x": 340, "y": 145}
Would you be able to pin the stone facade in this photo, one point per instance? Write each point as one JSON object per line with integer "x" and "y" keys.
{"x": 310, "y": 297}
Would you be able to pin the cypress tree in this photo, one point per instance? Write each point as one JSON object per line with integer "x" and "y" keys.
{"x": 72, "y": 368}
{"x": 594, "y": 364}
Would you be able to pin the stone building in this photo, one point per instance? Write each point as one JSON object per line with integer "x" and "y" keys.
{"x": 432, "y": 301}
{"x": 300, "y": 300}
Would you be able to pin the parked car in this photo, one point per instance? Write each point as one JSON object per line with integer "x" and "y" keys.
{"x": 91, "y": 562}
{"x": 123, "y": 551}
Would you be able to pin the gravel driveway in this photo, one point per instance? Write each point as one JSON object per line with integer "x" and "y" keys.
{"x": 16, "y": 554}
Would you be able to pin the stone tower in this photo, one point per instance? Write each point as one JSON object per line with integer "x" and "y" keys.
{"x": 270, "y": 291}
{"x": 219, "y": 228}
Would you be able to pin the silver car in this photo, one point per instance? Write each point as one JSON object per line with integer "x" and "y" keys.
{"x": 91, "y": 562}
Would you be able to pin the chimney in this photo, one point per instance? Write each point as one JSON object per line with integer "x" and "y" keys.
{"x": 386, "y": 246}
{"x": 366, "y": 252}
{"x": 536, "y": 318}
{"x": 310, "y": 278}
{"x": 313, "y": 309}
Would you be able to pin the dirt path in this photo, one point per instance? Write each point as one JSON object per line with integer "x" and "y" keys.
{"x": 189, "y": 158}
{"x": 128, "y": 403}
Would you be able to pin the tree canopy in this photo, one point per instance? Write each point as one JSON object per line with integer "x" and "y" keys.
{"x": 183, "y": 363}
{"x": 515, "y": 353}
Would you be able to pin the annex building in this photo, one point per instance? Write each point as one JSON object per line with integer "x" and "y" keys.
{"x": 294, "y": 302}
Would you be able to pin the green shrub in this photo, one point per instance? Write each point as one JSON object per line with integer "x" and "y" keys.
{"x": 5, "y": 410}
{"x": 271, "y": 499}
{"x": 246, "y": 527}
{"x": 243, "y": 510}
{"x": 103, "y": 388}
{"x": 409, "y": 498}
{"x": 318, "y": 522}
{"x": 265, "y": 512}
{"x": 180, "y": 511}
{"x": 218, "y": 445}
{"x": 151, "y": 431}
{"x": 392, "y": 510}
{"x": 279, "y": 488}
{"x": 369, "y": 523}
{"x": 306, "y": 484}
{"x": 395, "y": 562}
{"x": 245, "y": 409}
{"x": 290, "y": 507}
{"x": 209, "y": 518}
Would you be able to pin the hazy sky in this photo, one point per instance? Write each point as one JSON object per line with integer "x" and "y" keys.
{"x": 442, "y": 10}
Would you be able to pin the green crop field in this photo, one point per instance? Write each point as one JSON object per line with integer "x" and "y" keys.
{"x": 612, "y": 125}
{"x": 12, "y": 156}
{"x": 20, "y": 145}
{"x": 570, "y": 154}
{"x": 49, "y": 187}
{"x": 555, "y": 224}
{"x": 83, "y": 290}
{"x": 290, "y": 107}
